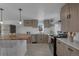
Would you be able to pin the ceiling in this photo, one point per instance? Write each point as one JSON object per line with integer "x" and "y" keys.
{"x": 31, "y": 10}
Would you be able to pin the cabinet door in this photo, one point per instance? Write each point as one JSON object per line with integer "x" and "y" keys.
{"x": 46, "y": 23}
{"x": 73, "y": 16}
{"x": 33, "y": 38}
{"x": 64, "y": 18}
{"x": 34, "y": 23}
{"x": 45, "y": 38}
{"x": 77, "y": 21}
{"x": 60, "y": 48}
{"x": 42, "y": 38}
{"x": 72, "y": 51}
{"x": 65, "y": 50}
{"x": 67, "y": 19}
{"x": 39, "y": 38}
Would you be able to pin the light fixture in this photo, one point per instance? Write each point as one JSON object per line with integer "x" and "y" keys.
{"x": 1, "y": 21}
{"x": 20, "y": 21}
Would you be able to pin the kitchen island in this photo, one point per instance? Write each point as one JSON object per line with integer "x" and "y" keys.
{"x": 14, "y": 45}
{"x": 15, "y": 37}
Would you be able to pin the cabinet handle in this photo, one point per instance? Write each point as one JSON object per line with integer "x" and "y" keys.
{"x": 70, "y": 49}
{"x": 68, "y": 16}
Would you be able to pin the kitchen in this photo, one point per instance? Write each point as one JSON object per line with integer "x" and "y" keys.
{"x": 51, "y": 28}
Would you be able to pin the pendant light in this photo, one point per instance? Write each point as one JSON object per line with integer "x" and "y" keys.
{"x": 1, "y": 10}
{"x": 20, "y": 21}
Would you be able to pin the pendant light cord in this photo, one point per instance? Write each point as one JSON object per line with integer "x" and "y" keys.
{"x": 20, "y": 13}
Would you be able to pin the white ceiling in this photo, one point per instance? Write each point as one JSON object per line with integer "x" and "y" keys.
{"x": 31, "y": 10}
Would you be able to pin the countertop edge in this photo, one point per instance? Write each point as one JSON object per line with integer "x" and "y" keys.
{"x": 72, "y": 44}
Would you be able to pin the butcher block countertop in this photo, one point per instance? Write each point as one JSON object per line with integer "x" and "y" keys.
{"x": 16, "y": 37}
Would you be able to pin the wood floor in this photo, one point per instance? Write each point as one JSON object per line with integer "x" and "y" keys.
{"x": 39, "y": 50}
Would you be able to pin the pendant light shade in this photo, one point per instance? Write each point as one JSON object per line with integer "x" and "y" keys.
{"x": 20, "y": 20}
{"x": 1, "y": 13}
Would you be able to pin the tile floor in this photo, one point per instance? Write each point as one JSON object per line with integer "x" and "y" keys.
{"x": 39, "y": 50}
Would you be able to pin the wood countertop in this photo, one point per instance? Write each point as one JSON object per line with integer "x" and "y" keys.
{"x": 16, "y": 37}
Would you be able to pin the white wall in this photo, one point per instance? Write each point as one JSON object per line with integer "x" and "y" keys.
{"x": 57, "y": 27}
{"x": 22, "y": 29}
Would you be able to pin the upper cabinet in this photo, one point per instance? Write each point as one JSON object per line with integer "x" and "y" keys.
{"x": 46, "y": 23}
{"x": 31, "y": 23}
{"x": 69, "y": 16}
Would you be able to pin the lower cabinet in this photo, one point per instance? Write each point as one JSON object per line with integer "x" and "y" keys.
{"x": 40, "y": 38}
{"x": 72, "y": 51}
{"x": 61, "y": 48}
{"x": 66, "y": 50}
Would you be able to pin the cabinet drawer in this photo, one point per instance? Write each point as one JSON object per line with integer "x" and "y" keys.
{"x": 72, "y": 51}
